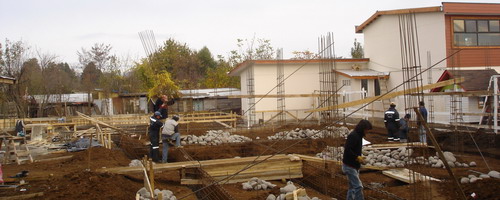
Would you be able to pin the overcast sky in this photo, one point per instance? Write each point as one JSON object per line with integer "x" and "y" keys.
{"x": 62, "y": 27}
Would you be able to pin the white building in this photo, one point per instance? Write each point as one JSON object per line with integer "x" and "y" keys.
{"x": 472, "y": 29}
{"x": 259, "y": 77}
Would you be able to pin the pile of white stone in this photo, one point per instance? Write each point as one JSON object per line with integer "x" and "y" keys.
{"x": 135, "y": 163}
{"x": 311, "y": 133}
{"x": 145, "y": 195}
{"x": 394, "y": 158}
{"x": 214, "y": 137}
{"x": 473, "y": 178}
{"x": 288, "y": 191}
{"x": 257, "y": 184}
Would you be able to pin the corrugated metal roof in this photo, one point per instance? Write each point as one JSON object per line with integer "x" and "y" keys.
{"x": 6, "y": 77}
{"x": 200, "y": 93}
{"x": 351, "y": 73}
{"x": 211, "y": 92}
{"x": 63, "y": 98}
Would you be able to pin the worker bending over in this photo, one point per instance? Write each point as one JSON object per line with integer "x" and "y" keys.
{"x": 170, "y": 132}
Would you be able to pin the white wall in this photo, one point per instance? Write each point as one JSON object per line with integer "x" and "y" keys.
{"x": 382, "y": 46}
{"x": 304, "y": 81}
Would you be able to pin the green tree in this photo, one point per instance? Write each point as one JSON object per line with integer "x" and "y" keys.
{"x": 218, "y": 78}
{"x": 357, "y": 50}
{"x": 206, "y": 59}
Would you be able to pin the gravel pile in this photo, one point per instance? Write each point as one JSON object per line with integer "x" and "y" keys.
{"x": 214, "y": 137}
{"x": 473, "y": 178}
{"x": 313, "y": 134}
{"x": 394, "y": 158}
{"x": 145, "y": 195}
{"x": 288, "y": 191}
{"x": 257, "y": 184}
{"x": 135, "y": 163}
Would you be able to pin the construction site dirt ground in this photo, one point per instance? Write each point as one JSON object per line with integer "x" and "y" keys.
{"x": 75, "y": 177}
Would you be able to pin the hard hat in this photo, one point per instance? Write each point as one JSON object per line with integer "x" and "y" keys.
{"x": 157, "y": 113}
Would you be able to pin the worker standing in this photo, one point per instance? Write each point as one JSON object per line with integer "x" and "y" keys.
{"x": 154, "y": 133}
{"x": 352, "y": 159}
{"x": 170, "y": 132}
{"x": 391, "y": 121}
{"x": 421, "y": 129}
{"x": 161, "y": 105}
{"x": 404, "y": 128}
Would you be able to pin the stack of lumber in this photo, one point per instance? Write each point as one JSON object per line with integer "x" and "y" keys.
{"x": 274, "y": 168}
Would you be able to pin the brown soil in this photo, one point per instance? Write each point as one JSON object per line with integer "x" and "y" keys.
{"x": 69, "y": 178}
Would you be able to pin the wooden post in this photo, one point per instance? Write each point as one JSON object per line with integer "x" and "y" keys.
{"x": 439, "y": 151}
{"x": 90, "y": 145}
{"x": 151, "y": 175}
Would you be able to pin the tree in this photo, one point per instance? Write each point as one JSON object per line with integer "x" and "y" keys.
{"x": 100, "y": 55}
{"x": 12, "y": 59}
{"x": 206, "y": 59}
{"x": 218, "y": 78}
{"x": 90, "y": 75}
{"x": 246, "y": 51}
{"x": 357, "y": 50}
{"x": 303, "y": 55}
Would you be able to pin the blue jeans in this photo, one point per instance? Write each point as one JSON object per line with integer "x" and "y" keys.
{"x": 355, "y": 191}
{"x": 422, "y": 134}
{"x": 165, "y": 138}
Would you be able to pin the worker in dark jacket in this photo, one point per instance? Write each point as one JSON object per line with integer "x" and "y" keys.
{"x": 154, "y": 135}
{"x": 404, "y": 128}
{"x": 161, "y": 105}
{"x": 421, "y": 130}
{"x": 352, "y": 159}
{"x": 391, "y": 121}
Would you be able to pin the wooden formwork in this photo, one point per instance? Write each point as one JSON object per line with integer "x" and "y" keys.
{"x": 227, "y": 119}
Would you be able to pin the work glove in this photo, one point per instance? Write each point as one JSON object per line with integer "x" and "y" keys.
{"x": 360, "y": 159}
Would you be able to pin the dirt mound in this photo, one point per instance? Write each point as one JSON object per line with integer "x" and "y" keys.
{"x": 484, "y": 189}
{"x": 99, "y": 157}
{"x": 90, "y": 185}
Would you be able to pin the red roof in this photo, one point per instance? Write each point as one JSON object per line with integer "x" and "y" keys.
{"x": 359, "y": 29}
{"x": 475, "y": 80}
{"x": 245, "y": 64}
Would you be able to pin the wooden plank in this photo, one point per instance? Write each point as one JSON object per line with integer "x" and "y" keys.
{"x": 192, "y": 164}
{"x": 274, "y": 96}
{"x": 464, "y": 94}
{"x": 24, "y": 196}
{"x": 56, "y": 158}
{"x": 388, "y": 95}
{"x": 7, "y": 81}
{"x": 225, "y": 125}
{"x": 99, "y": 122}
{"x": 292, "y": 115}
{"x": 403, "y": 174}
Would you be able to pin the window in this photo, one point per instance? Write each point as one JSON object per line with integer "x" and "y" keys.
{"x": 377, "y": 87}
{"x": 364, "y": 84}
{"x": 472, "y": 32}
{"x": 346, "y": 83}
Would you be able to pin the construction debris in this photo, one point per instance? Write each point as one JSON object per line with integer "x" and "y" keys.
{"x": 214, "y": 137}
{"x": 290, "y": 191}
{"x": 392, "y": 157}
{"x": 257, "y": 184}
{"x": 166, "y": 194}
{"x": 298, "y": 133}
